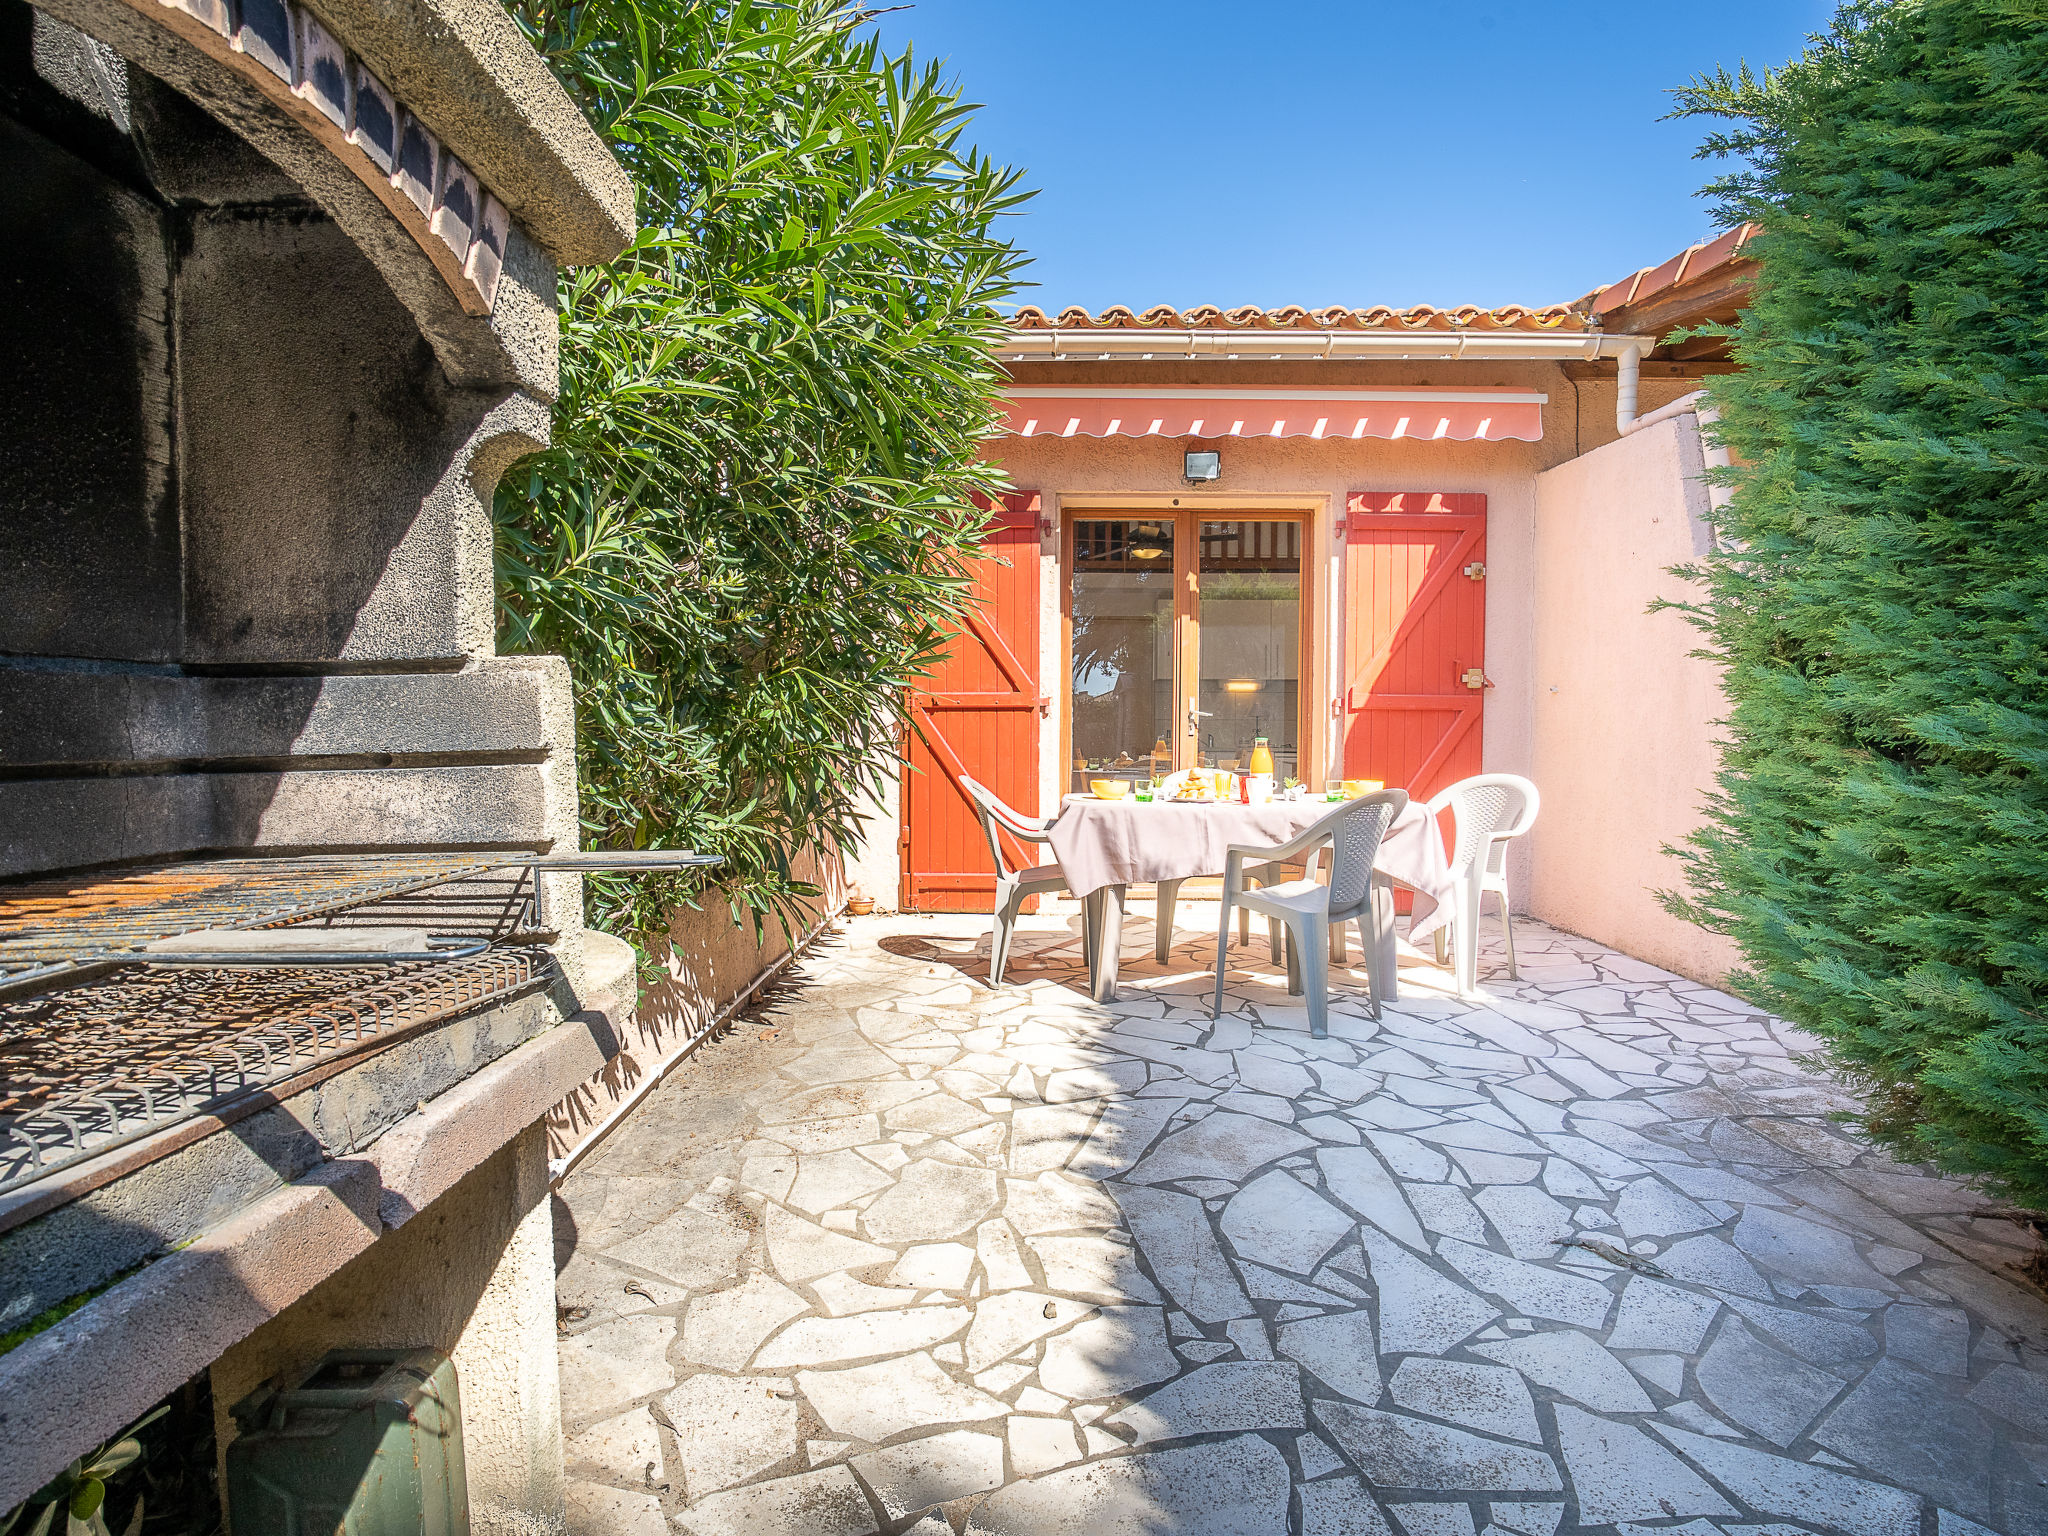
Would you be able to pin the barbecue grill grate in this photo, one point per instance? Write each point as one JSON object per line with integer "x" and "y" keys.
{"x": 90, "y": 1067}
{"x": 51, "y": 927}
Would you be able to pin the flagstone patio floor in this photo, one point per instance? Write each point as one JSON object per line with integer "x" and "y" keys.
{"x": 905, "y": 1254}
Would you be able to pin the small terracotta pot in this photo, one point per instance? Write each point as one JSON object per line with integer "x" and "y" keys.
{"x": 859, "y": 906}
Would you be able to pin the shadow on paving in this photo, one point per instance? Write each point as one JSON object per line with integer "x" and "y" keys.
{"x": 903, "y": 1253}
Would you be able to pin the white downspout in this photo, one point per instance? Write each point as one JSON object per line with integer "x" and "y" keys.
{"x": 1627, "y": 380}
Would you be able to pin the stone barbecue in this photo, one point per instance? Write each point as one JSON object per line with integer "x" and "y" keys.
{"x": 277, "y": 309}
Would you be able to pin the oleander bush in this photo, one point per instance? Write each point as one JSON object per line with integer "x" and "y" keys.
{"x": 745, "y": 536}
{"x": 1879, "y": 846}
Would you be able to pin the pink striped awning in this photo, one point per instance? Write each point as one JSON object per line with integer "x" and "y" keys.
{"x": 1460, "y": 415}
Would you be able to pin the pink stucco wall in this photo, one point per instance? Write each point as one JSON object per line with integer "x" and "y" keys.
{"x": 1623, "y": 739}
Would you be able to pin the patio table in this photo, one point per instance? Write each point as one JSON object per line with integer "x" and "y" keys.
{"x": 1106, "y": 846}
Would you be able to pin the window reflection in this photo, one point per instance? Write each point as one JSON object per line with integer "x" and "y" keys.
{"x": 1123, "y": 649}
{"x": 1250, "y": 643}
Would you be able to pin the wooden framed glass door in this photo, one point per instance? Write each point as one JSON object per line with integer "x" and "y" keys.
{"x": 1187, "y": 642}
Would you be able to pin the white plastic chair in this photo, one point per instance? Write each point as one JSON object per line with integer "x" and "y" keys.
{"x": 1490, "y": 810}
{"x": 1014, "y": 885}
{"x": 1309, "y": 909}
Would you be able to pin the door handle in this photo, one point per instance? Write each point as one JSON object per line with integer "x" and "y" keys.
{"x": 1195, "y": 719}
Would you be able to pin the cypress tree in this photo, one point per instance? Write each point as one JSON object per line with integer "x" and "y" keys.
{"x": 1879, "y": 843}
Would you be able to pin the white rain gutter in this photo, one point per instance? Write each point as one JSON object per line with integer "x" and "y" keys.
{"x": 1261, "y": 346}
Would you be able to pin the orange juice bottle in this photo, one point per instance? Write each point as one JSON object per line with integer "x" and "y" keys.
{"x": 1259, "y": 773}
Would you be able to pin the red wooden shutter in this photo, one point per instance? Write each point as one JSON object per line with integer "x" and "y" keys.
{"x": 1414, "y": 638}
{"x": 977, "y": 715}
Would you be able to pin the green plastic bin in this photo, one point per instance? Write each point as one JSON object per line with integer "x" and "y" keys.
{"x": 368, "y": 1444}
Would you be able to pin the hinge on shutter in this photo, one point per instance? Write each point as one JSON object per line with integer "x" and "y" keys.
{"x": 1476, "y": 570}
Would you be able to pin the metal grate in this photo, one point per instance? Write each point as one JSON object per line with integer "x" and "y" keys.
{"x": 53, "y": 926}
{"x": 88, "y": 1068}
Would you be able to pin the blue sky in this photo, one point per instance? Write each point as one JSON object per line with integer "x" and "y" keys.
{"x": 1345, "y": 151}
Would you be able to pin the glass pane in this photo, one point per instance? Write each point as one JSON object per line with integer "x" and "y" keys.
{"x": 1251, "y": 644}
{"x": 1123, "y": 649}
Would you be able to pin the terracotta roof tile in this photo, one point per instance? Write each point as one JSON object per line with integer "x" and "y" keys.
{"x": 1581, "y": 315}
{"x": 1691, "y": 263}
{"x": 1292, "y": 317}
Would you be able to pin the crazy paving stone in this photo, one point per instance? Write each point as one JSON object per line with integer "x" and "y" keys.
{"x": 1436, "y": 1519}
{"x": 841, "y": 1295}
{"x": 1445, "y": 1209}
{"x": 1056, "y": 1202}
{"x": 1528, "y": 1221}
{"x": 918, "y": 1474}
{"x": 1092, "y": 1267}
{"x": 1125, "y": 1131}
{"x": 1530, "y": 1288}
{"x": 613, "y": 1363}
{"x": 801, "y": 1250}
{"x": 1340, "y": 1506}
{"x": 1804, "y": 1250}
{"x": 1112, "y": 1353}
{"x": 1265, "y": 1285}
{"x": 1249, "y": 1335}
{"x": 2019, "y": 1397}
{"x": 1650, "y": 1208}
{"x": 1708, "y": 1261}
{"x": 1358, "y": 1178}
{"x": 930, "y": 1200}
{"x": 1224, "y": 1399}
{"x": 595, "y": 1510}
{"x": 1911, "y": 1427}
{"x": 1275, "y": 1221}
{"x": 1001, "y": 1255}
{"x": 874, "y": 1402}
{"x": 940, "y": 1113}
{"x": 1111, "y": 1077}
{"x": 1174, "y": 1234}
{"x": 1527, "y": 1519}
{"x": 694, "y": 1247}
{"x": 1315, "y": 1457}
{"x": 827, "y": 1180}
{"x": 826, "y": 1502}
{"x": 1040, "y": 1444}
{"x": 1231, "y": 1488}
{"x": 625, "y": 1448}
{"x": 1419, "y": 1309}
{"x": 1395, "y": 1451}
{"x": 730, "y": 1428}
{"x": 1835, "y": 1342}
{"x": 1005, "y": 1324}
{"x": 1046, "y": 1136}
{"x": 829, "y": 1340}
{"x": 1654, "y": 1315}
{"x": 1762, "y": 1388}
{"x": 934, "y": 1266}
{"x": 1799, "y": 1490}
{"x": 1569, "y": 1362}
{"x": 1488, "y": 1398}
{"x": 1223, "y": 1146}
{"x": 724, "y": 1328}
{"x": 1620, "y": 1473}
{"x": 1337, "y": 1350}
{"x": 841, "y": 1100}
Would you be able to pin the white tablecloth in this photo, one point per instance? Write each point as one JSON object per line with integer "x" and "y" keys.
{"x": 1128, "y": 842}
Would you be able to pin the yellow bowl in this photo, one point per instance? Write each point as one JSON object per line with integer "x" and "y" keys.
{"x": 1109, "y": 789}
{"x": 1353, "y": 788}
